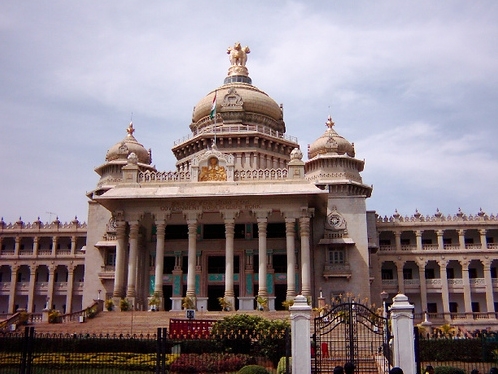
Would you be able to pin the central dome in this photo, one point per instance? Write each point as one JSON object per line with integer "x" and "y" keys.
{"x": 237, "y": 101}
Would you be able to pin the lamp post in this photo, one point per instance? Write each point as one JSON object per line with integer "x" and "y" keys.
{"x": 98, "y": 297}
{"x": 384, "y": 295}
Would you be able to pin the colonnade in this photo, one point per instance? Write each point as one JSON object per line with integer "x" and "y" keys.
{"x": 125, "y": 279}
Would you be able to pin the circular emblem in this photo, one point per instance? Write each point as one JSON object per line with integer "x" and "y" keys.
{"x": 335, "y": 220}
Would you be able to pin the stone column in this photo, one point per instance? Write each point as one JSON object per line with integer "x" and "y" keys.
{"x": 490, "y": 301}
{"x": 300, "y": 316}
{"x": 55, "y": 240}
{"x": 423, "y": 285}
{"x": 445, "y": 297}
{"x": 440, "y": 242}
{"x": 159, "y": 269}
{"x": 17, "y": 246}
{"x": 304, "y": 229}
{"x": 290, "y": 234}
{"x": 418, "y": 238}
{"x": 401, "y": 280}
{"x": 461, "y": 238}
{"x": 229, "y": 218}
{"x": 484, "y": 242}
{"x": 467, "y": 298}
{"x": 131, "y": 291}
{"x": 263, "y": 259}
{"x": 12, "y": 292}
{"x": 192, "y": 249}
{"x": 121, "y": 247}
{"x": 32, "y": 284}
{"x": 70, "y": 288}
{"x": 403, "y": 338}
{"x": 73, "y": 244}
{"x": 397, "y": 239}
{"x": 51, "y": 281}
{"x": 36, "y": 245}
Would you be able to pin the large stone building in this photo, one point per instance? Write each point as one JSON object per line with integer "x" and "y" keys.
{"x": 246, "y": 219}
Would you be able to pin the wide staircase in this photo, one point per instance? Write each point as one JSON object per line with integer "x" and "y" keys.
{"x": 137, "y": 322}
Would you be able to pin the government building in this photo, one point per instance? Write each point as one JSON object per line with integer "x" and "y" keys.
{"x": 246, "y": 219}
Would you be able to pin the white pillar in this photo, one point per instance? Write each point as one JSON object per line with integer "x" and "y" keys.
{"x": 304, "y": 226}
{"x": 131, "y": 292}
{"x": 290, "y": 233}
{"x": 402, "y": 331}
{"x": 263, "y": 260}
{"x": 192, "y": 246}
{"x": 490, "y": 301}
{"x": 300, "y": 316}
{"x": 159, "y": 269}
{"x": 119, "y": 272}
{"x": 229, "y": 256}
{"x": 70, "y": 289}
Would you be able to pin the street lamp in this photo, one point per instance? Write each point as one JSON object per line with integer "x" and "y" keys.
{"x": 99, "y": 295}
{"x": 384, "y": 295}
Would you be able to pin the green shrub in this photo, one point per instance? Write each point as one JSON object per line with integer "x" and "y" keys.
{"x": 282, "y": 365}
{"x": 253, "y": 369}
{"x": 448, "y": 370}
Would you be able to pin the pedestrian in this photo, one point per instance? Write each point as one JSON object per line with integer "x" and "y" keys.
{"x": 429, "y": 369}
{"x": 338, "y": 370}
{"x": 349, "y": 368}
{"x": 398, "y": 370}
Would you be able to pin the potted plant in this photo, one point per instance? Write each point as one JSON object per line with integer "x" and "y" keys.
{"x": 109, "y": 305}
{"x": 225, "y": 304}
{"x": 262, "y": 303}
{"x": 154, "y": 302}
{"x": 124, "y": 305}
{"x": 188, "y": 302}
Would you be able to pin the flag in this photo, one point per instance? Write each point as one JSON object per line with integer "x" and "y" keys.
{"x": 213, "y": 107}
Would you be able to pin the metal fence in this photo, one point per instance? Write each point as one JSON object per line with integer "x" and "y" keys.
{"x": 32, "y": 353}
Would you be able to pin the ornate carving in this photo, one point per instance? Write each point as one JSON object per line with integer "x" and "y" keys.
{"x": 213, "y": 172}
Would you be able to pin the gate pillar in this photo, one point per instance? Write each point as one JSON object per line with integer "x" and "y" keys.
{"x": 300, "y": 317}
{"x": 402, "y": 331}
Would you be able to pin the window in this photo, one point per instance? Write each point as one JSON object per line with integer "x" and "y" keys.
{"x": 407, "y": 274}
{"x": 450, "y": 273}
{"x": 472, "y": 273}
{"x": 240, "y": 231}
{"x": 387, "y": 274}
{"x": 431, "y": 307}
{"x": 489, "y": 240}
{"x": 426, "y": 241}
{"x": 280, "y": 263}
{"x": 216, "y": 264}
{"x": 447, "y": 241}
{"x": 214, "y": 231}
{"x": 176, "y": 232}
{"x": 475, "y": 307}
{"x": 275, "y": 230}
{"x": 430, "y": 273}
{"x": 469, "y": 240}
{"x": 336, "y": 256}
{"x": 168, "y": 264}
{"x": 405, "y": 241}
{"x": 111, "y": 258}
{"x": 385, "y": 242}
{"x": 453, "y": 307}
{"x": 493, "y": 272}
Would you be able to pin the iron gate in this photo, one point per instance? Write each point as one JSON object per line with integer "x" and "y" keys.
{"x": 351, "y": 332}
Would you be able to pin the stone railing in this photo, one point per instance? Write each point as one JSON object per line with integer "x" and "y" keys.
{"x": 38, "y": 225}
{"x": 237, "y": 129}
{"x": 239, "y": 175}
{"x": 437, "y": 217}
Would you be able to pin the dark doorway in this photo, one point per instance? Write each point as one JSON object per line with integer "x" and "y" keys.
{"x": 214, "y": 293}
{"x": 167, "y": 294}
{"x": 280, "y": 295}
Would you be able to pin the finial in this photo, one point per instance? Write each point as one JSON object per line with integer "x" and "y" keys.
{"x": 238, "y": 55}
{"x": 329, "y": 122}
{"x": 130, "y": 130}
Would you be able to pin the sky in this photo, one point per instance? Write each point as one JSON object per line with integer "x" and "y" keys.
{"x": 413, "y": 84}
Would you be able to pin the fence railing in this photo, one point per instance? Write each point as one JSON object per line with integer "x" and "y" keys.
{"x": 228, "y": 352}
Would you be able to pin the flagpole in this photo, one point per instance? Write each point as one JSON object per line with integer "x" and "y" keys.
{"x": 213, "y": 111}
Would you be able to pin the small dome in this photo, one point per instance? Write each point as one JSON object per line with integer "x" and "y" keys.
{"x": 121, "y": 150}
{"x": 330, "y": 143}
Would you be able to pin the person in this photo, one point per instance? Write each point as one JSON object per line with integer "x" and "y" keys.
{"x": 349, "y": 368}
{"x": 396, "y": 370}
{"x": 338, "y": 370}
{"x": 429, "y": 369}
